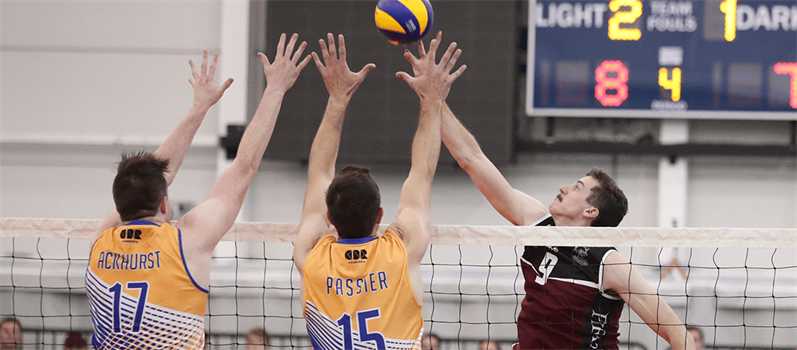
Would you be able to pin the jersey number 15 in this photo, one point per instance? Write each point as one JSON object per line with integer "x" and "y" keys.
{"x": 362, "y": 324}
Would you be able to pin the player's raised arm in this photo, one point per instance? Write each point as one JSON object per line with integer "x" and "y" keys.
{"x": 209, "y": 221}
{"x": 432, "y": 86}
{"x": 174, "y": 148}
{"x": 206, "y": 94}
{"x": 623, "y": 278}
{"x": 341, "y": 83}
{"x": 516, "y": 206}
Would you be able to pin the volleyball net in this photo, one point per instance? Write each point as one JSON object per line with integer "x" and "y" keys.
{"x": 738, "y": 286}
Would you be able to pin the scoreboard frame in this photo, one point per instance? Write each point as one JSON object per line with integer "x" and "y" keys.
{"x": 664, "y": 96}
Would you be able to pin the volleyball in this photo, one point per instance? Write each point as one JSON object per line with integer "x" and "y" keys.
{"x": 403, "y": 21}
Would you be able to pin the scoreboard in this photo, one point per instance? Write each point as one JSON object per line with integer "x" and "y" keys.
{"x": 712, "y": 59}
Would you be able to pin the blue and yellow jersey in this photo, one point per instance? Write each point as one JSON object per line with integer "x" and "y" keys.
{"x": 357, "y": 294}
{"x": 140, "y": 291}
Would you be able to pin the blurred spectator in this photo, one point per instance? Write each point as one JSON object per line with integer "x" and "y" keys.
{"x": 75, "y": 341}
{"x": 488, "y": 345}
{"x": 697, "y": 335}
{"x": 430, "y": 342}
{"x": 674, "y": 265}
{"x": 10, "y": 334}
{"x": 257, "y": 339}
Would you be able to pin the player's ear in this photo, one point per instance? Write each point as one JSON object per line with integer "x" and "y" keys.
{"x": 379, "y": 215}
{"x": 591, "y": 213}
{"x": 164, "y": 205}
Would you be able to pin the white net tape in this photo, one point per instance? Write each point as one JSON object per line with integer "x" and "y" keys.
{"x": 475, "y": 235}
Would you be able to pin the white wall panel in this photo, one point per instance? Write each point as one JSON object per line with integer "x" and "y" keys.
{"x": 742, "y": 192}
{"x": 111, "y": 25}
{"x": 96, "y": 97}
{"x": 75, "y": 181}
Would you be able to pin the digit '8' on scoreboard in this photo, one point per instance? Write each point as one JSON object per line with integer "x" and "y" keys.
{"x": 662, "y": 58}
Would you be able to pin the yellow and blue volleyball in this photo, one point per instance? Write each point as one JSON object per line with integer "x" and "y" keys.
{"x": 403, "y": 21}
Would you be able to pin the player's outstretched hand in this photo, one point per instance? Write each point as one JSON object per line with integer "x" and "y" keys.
{"x": 281, "y": 74}
{"x": 432, "y": 79}
{"x": 421, "y": 54}
{"x": 206, "y": 93}
{"x": 341, "y": 82}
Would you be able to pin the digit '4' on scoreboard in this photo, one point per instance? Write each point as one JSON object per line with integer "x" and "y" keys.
{"x": 659, "y": 58}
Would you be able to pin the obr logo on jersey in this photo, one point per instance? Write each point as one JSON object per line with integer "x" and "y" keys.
{"x": 130, "y": 234}
{"x": 356, "y": 254}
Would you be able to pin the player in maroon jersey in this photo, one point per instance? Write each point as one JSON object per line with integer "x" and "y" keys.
{"x": 574, "y": 295}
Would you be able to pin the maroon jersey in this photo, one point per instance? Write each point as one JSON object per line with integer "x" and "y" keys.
{"x": 565, "y": 305}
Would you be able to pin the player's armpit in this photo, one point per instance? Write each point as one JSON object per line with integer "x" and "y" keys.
{"x": 532, "y": 210}
{"x": 209, "y": 222}
{"x": 414, "y": 228}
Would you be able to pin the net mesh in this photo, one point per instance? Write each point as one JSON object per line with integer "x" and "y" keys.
{"x": 739, "y": 286}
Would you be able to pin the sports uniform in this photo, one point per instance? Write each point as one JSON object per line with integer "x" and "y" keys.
{"x": 565, "y": 306}
{"x": 141, "y": 292}
{"x": 357, "y": 293}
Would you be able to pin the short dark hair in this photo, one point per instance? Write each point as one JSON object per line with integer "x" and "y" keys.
{"x": 353, "y": 202}
{"x": 608, "y": 198}
{"x": 139, "y": 186}
{"x": 261, "y": 333}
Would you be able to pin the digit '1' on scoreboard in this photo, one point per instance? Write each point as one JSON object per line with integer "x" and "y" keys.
{"x": 715, "y": 59}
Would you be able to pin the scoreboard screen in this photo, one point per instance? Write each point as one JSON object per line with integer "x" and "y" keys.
{"x": 713, "y": 59}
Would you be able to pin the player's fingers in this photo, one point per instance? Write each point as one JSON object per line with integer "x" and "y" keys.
{"x": 432, "y": 53}
{"x": 303, "y": 63}
{"x": 341, "y": 48}
{"x": 263, "y": 59}
{"x": 333, "y": 53}
{"x": 404, "y": 76}
{"x": 191, "y": 81}
{"x": 212, "y": 71}
{"x": 291, "y": 45}
{"x": 449, "y": 52}
{"x": 324, "y": 49}
{"x": 410, "y": 57}
{"x": 204, "y": 68}
{"x": 459, "y": 72}
{"x": 226, "y": 84}
{"x": 438, "y": 37}
{"x": 453, "y": 61}
{"x": 366, "y": 69}
{"x": 299, "y": 51}
{"x": 421, "y": 49}
{"x": 280, "y": 46}
{"x": 317, "y": 61}
{"x": 194, "y": 73}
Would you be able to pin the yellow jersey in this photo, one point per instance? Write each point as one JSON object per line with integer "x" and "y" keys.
{"x": 358, "y": 294}
{"x": 140, "y": 291}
